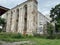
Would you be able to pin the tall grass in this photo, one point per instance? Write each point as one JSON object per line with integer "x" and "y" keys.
{"x": 11, "y": 36}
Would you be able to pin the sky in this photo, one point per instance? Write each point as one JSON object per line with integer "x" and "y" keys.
{"x": 44, "y": 6}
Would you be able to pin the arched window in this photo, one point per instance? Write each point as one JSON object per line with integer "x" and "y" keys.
{"x": 25, "y": 19}
{"x": 11, "y": 20}
{"x": 17, "y": 14}
{"x": 17, "y": 19}
{"x": 25, "y": 7}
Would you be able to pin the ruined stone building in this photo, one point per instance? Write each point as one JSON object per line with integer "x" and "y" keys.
{"x": 24, "y": 18}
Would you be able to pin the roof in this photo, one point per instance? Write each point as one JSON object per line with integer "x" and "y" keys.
{"x": 44, "y": 16}
{"x": 3, "y": 10}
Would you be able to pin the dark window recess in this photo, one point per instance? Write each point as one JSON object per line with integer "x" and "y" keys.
{"x": 11, "y": 19}
{"x": 25, "y": 19}
{"x": 17, "y": 20}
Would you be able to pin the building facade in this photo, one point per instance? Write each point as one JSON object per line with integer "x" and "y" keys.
{"x": 22, "y": 18}
{"x": 25, "y": 19}
{"x": 42, "y": 23}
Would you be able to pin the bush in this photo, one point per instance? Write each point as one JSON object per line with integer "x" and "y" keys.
{"x": 0, "y": 30}
{"x": 57, "y": 36}
{"x": 54, "y": 36}
{"x": 10, "y": 36}
{"x": 28, "y": 36}
{"x": 40, "y": 35}
{"x": 50, "y": 29}
{"x": 18, "y": 35}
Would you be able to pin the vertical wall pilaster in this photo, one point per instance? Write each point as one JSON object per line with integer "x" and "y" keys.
{"x": 32, "y": 17}
{"x": 21, "y": 20}
{"x": 8, "y": 25}
{"x": 14, "y": 19}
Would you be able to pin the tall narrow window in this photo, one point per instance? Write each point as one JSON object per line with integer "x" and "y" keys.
{"x": 17, "y": 20}
{"x": 11, "y": 20}
{"x": 25, "y": 19}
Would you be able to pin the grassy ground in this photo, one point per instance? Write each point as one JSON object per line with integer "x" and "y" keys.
{"x": 40, "y": 41}
{"x": 35, "y": 40}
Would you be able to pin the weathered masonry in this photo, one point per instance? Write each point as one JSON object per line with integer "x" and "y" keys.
{"x": 26, "y": 19}
{"x": 22, "y": 18}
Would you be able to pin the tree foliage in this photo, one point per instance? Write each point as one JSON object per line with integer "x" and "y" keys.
{"x": 50, "y": 29}
{"x": 55, "y": 15}
{"x": 2, "y": 23}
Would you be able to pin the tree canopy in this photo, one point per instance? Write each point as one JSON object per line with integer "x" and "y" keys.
{"x": 55, "y": 15}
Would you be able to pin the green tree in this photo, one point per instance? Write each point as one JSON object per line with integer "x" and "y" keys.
{"x": 55, "y": 15}
{"x": 50, "y": 29}
{"x": 2, "y": 23}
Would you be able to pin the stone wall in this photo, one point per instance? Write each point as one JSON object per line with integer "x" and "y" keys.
{"x": 42, "y": 23}
{"x": 15, "y": 21}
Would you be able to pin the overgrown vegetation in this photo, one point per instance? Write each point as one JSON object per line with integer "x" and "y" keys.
{"x": 2, "y": 24}
{"x": 55, "y": 15}
{"x": 12, "y": 37}
{"x": 50, "y": 29}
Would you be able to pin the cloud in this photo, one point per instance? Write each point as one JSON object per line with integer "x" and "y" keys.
{"x": 44, "y": 6}
{"x": 10, "y": 3}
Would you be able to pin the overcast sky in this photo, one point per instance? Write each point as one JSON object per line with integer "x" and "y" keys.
{"x": 44, "y": 6}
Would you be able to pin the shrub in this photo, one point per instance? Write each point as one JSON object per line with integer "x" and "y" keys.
{"x": 29, "y": 36}
{"x": 10, "y": 36}
{"x": 17, "y": 36}
{"x": 0, "y": 30}
{"x": 57, "y": 36}
{"x": 40, "y": 35}
{"x": 50, "y": 29}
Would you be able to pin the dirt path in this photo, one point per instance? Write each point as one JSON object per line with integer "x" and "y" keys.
{"x": 15, "y": 43}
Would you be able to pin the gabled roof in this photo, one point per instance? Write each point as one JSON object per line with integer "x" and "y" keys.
{"x": 3, "y": 10}
{"x": 44, "y": 15}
